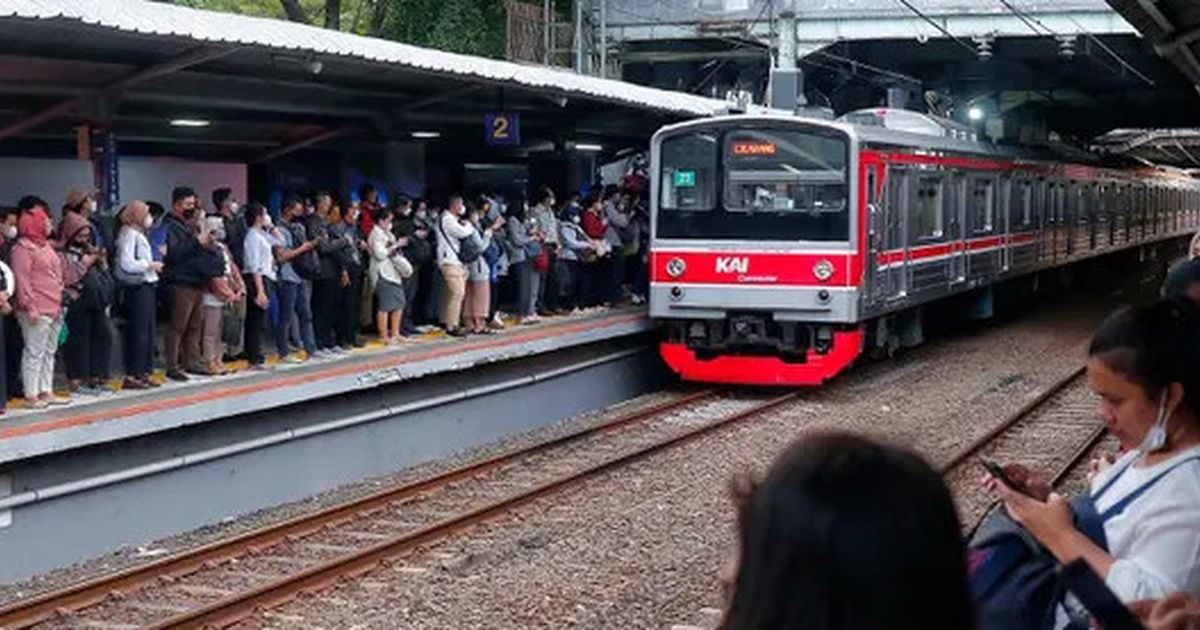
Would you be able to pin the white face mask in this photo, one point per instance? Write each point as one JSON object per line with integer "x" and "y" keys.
{"x": 10, "y": 231}
{"x": 267, "y": 222}
{"x": 91, "y": 206}
{"x": 1156, "y": 437}
{"x": 148, "y": 222}
{"x": 575, "y": 219}
{"x": 233, "y": 206}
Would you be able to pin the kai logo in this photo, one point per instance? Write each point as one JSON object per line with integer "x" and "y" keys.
{"x": 730, "y": 264}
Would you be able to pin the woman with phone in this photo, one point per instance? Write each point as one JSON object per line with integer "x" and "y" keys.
{"x": 1144, "y": 365}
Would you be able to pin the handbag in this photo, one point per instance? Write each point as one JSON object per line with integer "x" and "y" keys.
{"x": 469, "y": 250}
{"x": 402, "y": 266}
{"x": 541, "y": 262}
{"x": 96, "y": 288}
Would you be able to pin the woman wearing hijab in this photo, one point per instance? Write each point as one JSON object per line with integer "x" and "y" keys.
{"x": 88, "y": 291}
{"x": 39, "y": 278}
{"x": 137, "y": 272}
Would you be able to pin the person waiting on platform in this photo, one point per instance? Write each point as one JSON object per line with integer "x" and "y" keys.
{"x": 578, "y": 257}
{"x": 188, "y": 266}
{"x": 522, "y": 251}
{"x": 479, "y": 272}
{"x": 543, "y": 226}
{"x": 1139, "y": 530}
{"x": 847, "y": 534}
{"x": 136, "y": 273}
{"x": 39, "y": 287}
{"x": 326, "y": 287}
{"x": 88, "y": 294}
{"x": 453, "y": 234}
{"x": 351, "y": 248}
{"x": 260, "y": 276}
{"x": 386, "y": 276}
{"x": 297, "y": 259}
{"x": 220, "y": 297}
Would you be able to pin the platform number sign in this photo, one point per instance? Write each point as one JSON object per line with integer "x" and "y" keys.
{"x": 502, "y": 129}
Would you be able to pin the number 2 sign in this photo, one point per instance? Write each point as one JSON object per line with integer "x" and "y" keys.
{"x": 502, "y": 129}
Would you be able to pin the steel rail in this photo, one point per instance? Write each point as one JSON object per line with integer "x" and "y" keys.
{"x": 24, "y": 613}
{"x": 237, "y": 607}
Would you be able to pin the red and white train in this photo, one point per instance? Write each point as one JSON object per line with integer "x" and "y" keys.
{"x": 783, "y": 247}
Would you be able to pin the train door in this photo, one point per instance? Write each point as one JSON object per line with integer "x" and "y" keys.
{"x": 894, "y": 260}
{"x": 956, "y": 229}
{"x": 875, "y": 214}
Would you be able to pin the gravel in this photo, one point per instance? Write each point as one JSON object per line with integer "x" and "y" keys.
{"x": 641, "y": 547}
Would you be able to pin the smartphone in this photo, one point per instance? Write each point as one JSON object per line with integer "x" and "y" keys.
{"x": 1094, "y": 594}
{"x": 997, "y": 471}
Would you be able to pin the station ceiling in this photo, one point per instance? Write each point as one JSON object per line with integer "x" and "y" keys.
{"x": 268, "y": 87}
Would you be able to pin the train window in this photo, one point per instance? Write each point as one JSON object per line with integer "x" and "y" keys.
{"x": 1021, "y": 200}
{"x": 928, "y": 208}
{"x": 774, "y": 184}
{"x": 689, "y": 167}
{"x": 981, "y": 204}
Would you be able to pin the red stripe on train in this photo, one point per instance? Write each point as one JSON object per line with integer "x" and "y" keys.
{"x": 751, "y": 268}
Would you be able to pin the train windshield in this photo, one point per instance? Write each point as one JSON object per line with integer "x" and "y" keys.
{"x": 755, "y": 184}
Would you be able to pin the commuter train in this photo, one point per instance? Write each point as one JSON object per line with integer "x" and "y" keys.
{"x": 782, "y": 247}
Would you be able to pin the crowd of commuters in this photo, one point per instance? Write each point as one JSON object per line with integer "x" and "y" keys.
{"x": 315, "y": 279}
{"x": 845, "y": 533}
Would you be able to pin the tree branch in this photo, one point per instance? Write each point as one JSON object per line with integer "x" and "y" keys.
{"x": 294, "y": 11}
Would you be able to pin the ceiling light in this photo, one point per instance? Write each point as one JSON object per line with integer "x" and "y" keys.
{"x": 426, "y": 135}
{"x": 975, "y": 113}
{"x": 190, "y": 122}
{"x": 580, "y": 146}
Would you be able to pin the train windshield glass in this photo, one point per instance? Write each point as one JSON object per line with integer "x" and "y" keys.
{"x": 774, "y": 185}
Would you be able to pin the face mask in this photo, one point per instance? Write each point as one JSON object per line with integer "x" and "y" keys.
{"x": 91, "y": 206}
{"x": 575, "y": 219}
{"x": 421, "y": 214}
{"x": 10, "y": 231}
{"x": 148, "y": 222}
{"x": 267, "y": 222}
{"x": 1156, "y": 437}
{"x": 233, "y": 207}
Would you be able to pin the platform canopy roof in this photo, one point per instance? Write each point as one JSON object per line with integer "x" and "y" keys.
{"x": 267, "y": 87}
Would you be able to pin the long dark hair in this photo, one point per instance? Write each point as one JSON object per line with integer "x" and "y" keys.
{"x": 1154, "y": 346}
{"x": 846, "y": 534}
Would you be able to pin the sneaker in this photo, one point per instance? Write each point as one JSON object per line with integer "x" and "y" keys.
{"x": 36, "y": 403}
{"x": 260, "y": 367}
{"x": 55, "y": 399}
{"x": 87, "y": 390}
{"x": 291, "y": 360}
{"x": 638, "y": 300}
{"x": 178, "y": 375}
{"x": 456, "y": 332}
{"x": 532, "y": 319}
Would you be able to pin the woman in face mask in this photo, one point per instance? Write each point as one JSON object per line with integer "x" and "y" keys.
{"x": 1144, "y": 365}
{"x": 137, "y": 274}
{"x": 88, "y": 292}
{"x": 39, "y": 289}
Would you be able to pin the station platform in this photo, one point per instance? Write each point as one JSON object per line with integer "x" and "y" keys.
{"x": 26, "y": 433}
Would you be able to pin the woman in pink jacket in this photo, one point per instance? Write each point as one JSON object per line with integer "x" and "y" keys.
{"x": 39, "y": 305}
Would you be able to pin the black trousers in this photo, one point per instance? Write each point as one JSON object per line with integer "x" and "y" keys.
{"x": 348, "y": 311}
{"x": 89, "y": 343}
{"x": 572, "y": 283}
{"x": 139, "y": 329}
{"x": 326, "y": 292}
{"x": 256, "y": 320}
{"x": 412, "y": 289}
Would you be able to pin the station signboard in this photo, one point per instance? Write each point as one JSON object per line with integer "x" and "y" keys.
{"x": 502, "y": 129}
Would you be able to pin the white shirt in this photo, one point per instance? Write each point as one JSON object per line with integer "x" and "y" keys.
{"x": 134, "y": 255}
{"x": 379, "y": 242}
{"x": 258, "y": 255}
{"x": 1155, "y": 542}
{"x": 451, "y": 228}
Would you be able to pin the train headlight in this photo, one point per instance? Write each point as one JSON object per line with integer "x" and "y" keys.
{"x": 676, "y": 267}
{"x": 823, "y": 270}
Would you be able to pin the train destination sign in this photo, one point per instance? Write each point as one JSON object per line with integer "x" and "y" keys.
{"x": 754, "y": 148}
{"x": 685, "y": 179}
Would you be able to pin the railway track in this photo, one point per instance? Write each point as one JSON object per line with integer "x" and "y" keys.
{"x": 1052, "y": 433}
{"x": 222, "y": 583}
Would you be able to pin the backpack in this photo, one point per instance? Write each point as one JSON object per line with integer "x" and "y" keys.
{"x": 308, "y": 264}
{"x": 96, "y": 289}
{"x": 469, "y": 249}
{"x": 1014, "y": 580}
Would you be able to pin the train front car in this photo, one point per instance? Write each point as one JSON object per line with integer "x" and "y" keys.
{"x": 754, "y": 264}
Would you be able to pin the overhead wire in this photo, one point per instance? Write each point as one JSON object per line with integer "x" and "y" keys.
{"x": 943, "y": 30}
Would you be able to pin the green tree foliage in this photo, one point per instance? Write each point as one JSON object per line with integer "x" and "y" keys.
{"x": 476, "y": 27}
